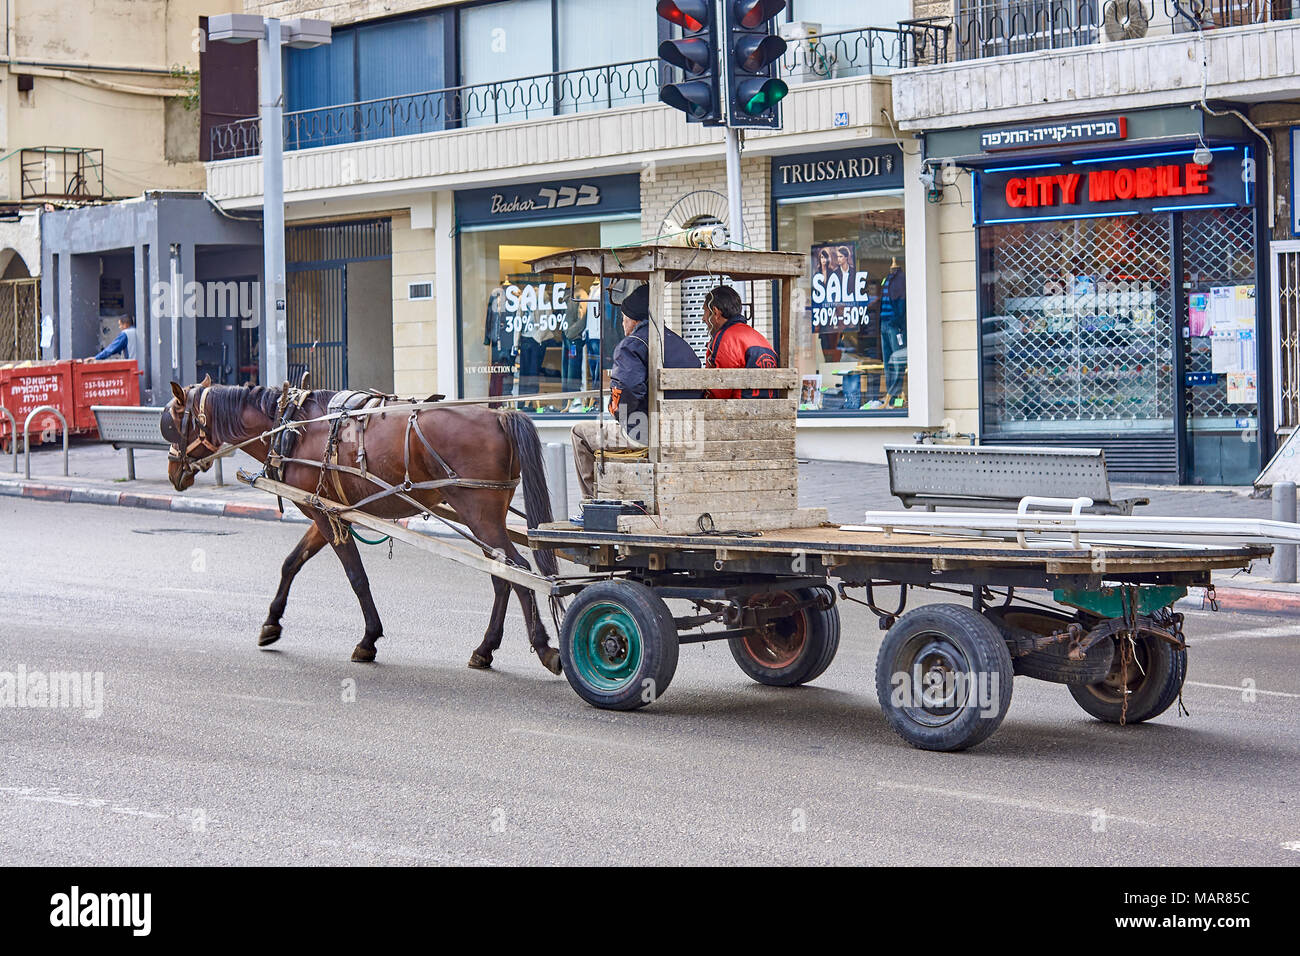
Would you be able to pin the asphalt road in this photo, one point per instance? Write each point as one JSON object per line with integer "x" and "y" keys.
{"x": 210, "y": 750}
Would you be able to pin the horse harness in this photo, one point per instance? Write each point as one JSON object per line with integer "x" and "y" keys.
{"x": 194, "y": 413}
{"x": 340, "y": 410}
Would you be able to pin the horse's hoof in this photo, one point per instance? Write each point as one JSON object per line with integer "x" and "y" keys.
{"x": 551, "y": 660}
{"x": 270, "y": 634}
{"x": 479, "y": 662}
{"x": 363, "y": 655}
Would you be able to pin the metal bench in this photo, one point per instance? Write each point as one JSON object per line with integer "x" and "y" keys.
{"x": 130, "y": 427}
{"x": 998, "y": 476}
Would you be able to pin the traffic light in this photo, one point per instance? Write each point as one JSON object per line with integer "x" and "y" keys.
{"x": 753, "y": 89}
{"x": 696, "y": 55}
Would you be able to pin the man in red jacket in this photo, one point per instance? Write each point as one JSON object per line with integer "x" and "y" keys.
{"x": 734, "y": 343}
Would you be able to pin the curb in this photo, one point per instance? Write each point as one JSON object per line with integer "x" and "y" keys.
{"x": 1258, "y": 600}
{"x": 180, "y": 504}
{"x": 156, "y": 502}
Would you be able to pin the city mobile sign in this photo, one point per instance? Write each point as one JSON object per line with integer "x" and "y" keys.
{"x": 1150, "y": 182}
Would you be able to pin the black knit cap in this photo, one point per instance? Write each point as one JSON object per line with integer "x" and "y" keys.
{"x": 636, "y": 304}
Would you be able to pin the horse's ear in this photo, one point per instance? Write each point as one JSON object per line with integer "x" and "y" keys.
{"x": 207, "y": 382}
{"x": 180, "y": 395}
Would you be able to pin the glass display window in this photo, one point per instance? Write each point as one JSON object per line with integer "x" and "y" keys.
{"x": 849, "y": 311}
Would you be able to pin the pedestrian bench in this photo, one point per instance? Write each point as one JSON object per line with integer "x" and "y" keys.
{"x": 130, "y": 427}
{"x": 998, "y": 476}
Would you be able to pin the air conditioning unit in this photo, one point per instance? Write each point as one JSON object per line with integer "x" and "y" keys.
{"x": 805, "y": 58}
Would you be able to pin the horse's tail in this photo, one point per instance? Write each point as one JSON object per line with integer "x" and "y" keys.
{"x": 522, "y": 435}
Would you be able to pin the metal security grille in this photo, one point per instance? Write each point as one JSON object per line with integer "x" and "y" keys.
{"x": 19, "y": 303}
{"x": 1218, "y": 250}
{"x": 317, "y": 258}
{"x": 1286, "y": 333}
{"x": 1078, "y": 326}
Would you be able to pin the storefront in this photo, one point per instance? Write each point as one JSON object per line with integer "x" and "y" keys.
{"x": 844, "y": 210}
{"x": 524, "y": 334}
{"x": 1119, "y": 308}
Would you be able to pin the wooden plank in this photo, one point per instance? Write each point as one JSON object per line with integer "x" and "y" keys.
{"x": 730, "y": 409}
{"x": 667, "y": 469}
{"x": 766, "y": 479}
{"x": 694, "y": 431}
{"x": 725, "y": 521}
{"x": 677, "y": 502}
{"x": 676, "y": 378}
{"x": 777, "y": 449}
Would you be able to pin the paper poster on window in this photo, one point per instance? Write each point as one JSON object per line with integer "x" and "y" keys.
{"x": 1198, "y": 314}
{"x": 843, "y": 299}
{"x": 810, "y": 392}
{"x": 1233, "y": 351}
{"x": 1242, "y": 388}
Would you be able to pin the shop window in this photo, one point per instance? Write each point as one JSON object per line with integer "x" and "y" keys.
{"x": 1077, "y": 326}
{"x": 849, "y": 334}
{"x": 525, "y": 334}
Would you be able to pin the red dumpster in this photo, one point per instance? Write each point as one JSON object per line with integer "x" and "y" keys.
{"x": 25, "y": 387}
{"x": 115, "y": 382}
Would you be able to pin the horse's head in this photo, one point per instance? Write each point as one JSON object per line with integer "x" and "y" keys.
{"x": 185, "y": 426}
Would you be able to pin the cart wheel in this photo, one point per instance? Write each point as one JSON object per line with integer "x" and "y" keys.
{"x": 943, "y": 677}
{"x": 618, "y": 645}
{"x": 794, "y": 649}
{"x": 1155, "y": 678}
{"x": 1052, "y": 662}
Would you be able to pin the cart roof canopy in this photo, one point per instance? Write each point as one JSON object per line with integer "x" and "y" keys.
{"x": 681, "y": 262}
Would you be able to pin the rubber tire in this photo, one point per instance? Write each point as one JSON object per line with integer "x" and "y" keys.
{"x": 1166, "y": 669}
{"x": 658, "y": 644}
{"x": 1051, "y": 663}
{"x": 822, "y": 640}
{"x": 984, "y": 649}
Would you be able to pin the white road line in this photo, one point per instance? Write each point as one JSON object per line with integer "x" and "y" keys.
{"x": 1194, "y": 639}
{"x": 271, "y": 700}
{"x": 1007, "y": 802}
{"x": 1239, "y": 689}
{"x": 577, "y": 739}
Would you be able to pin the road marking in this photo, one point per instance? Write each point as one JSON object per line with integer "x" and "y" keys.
{"x": 1239, "y": 689}
{"x": 1007, "y": 802}
{"x": 578, "y": 739}
{"x": 54, "y": 795}
{"x": 271, "y": 700}
{"x": 1293, "y": 845}
{"x": 1196, "y": 640}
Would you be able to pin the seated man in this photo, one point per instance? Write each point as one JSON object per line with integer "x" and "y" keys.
{"x": 735, "y": 343}
{"x": 628, "y": 389}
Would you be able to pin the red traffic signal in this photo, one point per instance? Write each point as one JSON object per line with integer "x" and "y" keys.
{"x": 690, "y": 15}
{"x": 751, "y": 14}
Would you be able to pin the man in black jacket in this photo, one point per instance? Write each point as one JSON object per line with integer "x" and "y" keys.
{"x": 629, "y": 389}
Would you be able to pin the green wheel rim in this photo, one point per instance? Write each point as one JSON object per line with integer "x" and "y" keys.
{"x": 607, "y": 647}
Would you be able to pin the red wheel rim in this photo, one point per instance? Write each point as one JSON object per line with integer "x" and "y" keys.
{"x": 781, "y": 643}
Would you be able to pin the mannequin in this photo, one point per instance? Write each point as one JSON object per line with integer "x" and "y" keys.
{"x": 893, "y": 333}
{"x": 503, "y": 342}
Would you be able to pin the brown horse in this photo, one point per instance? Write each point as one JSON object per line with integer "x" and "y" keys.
{"x": 489, "y": 447}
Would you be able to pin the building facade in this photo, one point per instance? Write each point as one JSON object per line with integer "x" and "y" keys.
{"x": 542, "y": 131}
{"x": 1118, "y": 252}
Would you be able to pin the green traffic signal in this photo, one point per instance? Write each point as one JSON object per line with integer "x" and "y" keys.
{"x": 754, "y": 97}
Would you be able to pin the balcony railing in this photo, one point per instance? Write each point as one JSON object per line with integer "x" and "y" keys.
{"x": 992, "y": 28}
{"x": 632, "y": 82}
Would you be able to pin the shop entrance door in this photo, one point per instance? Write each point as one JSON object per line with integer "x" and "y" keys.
{"x": 1220, "y": 347}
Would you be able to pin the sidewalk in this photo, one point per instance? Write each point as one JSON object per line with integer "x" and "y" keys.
{"x": 97, "y": 476}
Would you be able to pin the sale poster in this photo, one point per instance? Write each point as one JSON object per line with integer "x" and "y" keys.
{"x": 843, "y": 299}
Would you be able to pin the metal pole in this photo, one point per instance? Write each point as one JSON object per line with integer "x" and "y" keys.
{"x": 1284, "y": 555}
{"x": 556, "y": 460}
{"x": 736, "y": 222}
{"x": 273, "y": 285}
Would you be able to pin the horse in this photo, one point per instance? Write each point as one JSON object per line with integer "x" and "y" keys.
{"x": 492, "y": 448}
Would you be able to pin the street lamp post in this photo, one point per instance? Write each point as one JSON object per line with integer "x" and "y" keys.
{"x": 271, "y": 36}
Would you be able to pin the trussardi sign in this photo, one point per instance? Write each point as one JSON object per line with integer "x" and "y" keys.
{"x": 1163, "y": 181}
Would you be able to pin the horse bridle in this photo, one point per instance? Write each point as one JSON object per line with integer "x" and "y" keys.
{"x": 194, "y": 414}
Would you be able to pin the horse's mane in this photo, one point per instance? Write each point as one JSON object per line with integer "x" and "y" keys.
{"x": 226, "y": 404}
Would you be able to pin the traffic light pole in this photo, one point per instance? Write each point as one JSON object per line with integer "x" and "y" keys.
{"x": 736, "y": 224}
